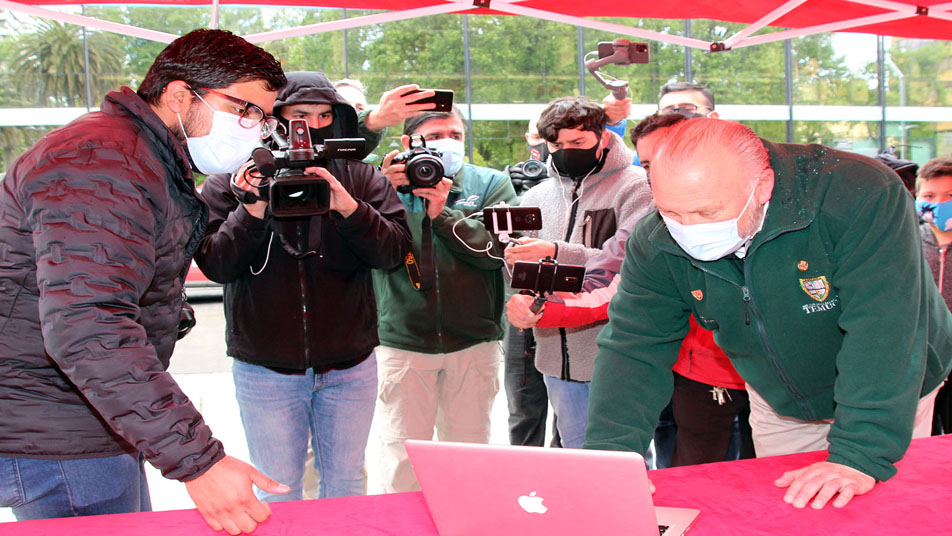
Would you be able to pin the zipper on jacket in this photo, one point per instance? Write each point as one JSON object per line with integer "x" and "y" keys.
{"x": 942, "y": 267}
{"x": 587, "y": 231}
{"x": 750, "y": 306}
{"x": 439, "y": 302}
{"x": 301, "y": 282}
{"x": 746, "y": 304}
{"x": 563, "y": 336}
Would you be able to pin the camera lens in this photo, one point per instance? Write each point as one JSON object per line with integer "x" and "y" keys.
{"x": 533, "y": 169}
{"x": 424, "y": 170}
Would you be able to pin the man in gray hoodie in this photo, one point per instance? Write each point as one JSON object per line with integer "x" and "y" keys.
{"x": 592, "y": 191}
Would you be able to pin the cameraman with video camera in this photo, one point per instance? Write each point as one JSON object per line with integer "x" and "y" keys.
{"x": 299, "y": 304}
{"x": 440, "y": 313}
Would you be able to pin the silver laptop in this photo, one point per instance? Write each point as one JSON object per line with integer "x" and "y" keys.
{"x": 497, "y": 490}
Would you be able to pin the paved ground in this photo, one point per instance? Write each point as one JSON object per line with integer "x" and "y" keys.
{"x": 203, "y": 370}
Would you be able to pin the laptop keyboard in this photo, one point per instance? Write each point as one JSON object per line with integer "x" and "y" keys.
{"x": 662, "y": 529}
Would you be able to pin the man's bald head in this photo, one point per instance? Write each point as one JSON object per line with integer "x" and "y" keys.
{"x": 706, "y": 170}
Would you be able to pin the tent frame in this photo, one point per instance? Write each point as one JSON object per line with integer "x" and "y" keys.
{"x": 743, "y": 38}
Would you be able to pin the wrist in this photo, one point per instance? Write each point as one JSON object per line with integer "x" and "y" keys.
{"x": 371, "y": 121}
{"x": 349, "y": 209}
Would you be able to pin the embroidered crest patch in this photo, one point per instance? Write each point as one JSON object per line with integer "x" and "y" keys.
{"x": 698, "y": 294}
{"x": 817, "y": 288}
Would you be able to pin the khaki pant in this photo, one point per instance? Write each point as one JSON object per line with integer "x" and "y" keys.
{"x": 452, "y": 392}
{"x": 775, "y": 435}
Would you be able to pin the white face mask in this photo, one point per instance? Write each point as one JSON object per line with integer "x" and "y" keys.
{"x": 227, "y": 145}
{"x": 451, "y": 152}
{"x": 709, "y": 241}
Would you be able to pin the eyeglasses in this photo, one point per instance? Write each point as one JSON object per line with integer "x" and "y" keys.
{"x": 251, "y": 114}
{"x": 683, "y": 108}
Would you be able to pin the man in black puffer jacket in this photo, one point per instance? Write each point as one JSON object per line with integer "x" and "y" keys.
{"x": 98, "y": 224}
{"x": 299, "y": 302}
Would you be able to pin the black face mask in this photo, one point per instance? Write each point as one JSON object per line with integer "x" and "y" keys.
{"x": 576, "y": 163}
{"x": 318, "y": 135}
{"x": 538, "y": 152}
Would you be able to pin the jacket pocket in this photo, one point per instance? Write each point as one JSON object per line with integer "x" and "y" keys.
{"x": 598, "y": 226}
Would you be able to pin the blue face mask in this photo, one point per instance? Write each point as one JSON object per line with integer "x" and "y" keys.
{"x": 451, "y": 152}
{"x": 939, "y": 215}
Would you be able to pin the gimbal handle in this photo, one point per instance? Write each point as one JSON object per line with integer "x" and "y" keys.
{"x": 618, "y": 88}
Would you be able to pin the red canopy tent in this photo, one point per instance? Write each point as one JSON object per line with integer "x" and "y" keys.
{"x": 926, "y": 19}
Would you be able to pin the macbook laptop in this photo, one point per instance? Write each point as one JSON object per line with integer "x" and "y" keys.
{"x": 497, "y": 490}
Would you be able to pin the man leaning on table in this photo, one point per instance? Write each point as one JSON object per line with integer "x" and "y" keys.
{"x": 98, "y": 223}
{"x": 806, "y": 263}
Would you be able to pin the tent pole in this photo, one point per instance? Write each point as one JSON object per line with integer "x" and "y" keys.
{"x": 469, "y": 88}
{"x": 688, "y": 58}
{"x": 346, "y": 66}
{"x": 788, "y": 81}
{"x": 580, "y": 59}
{"x": 881, "y": 73}
{"x": 89, "y": 92}
{"x": 214, "y": 22}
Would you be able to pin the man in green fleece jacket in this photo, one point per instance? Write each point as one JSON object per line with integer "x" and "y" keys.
{"x": 806, "y": 263}
{"x": 440, "y": 312}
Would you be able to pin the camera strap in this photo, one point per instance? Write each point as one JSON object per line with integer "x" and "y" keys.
{"x": 423, "y": 273}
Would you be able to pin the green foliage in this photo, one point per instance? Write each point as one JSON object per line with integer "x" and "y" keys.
{"x": 50, "y": 64}
{"x": 513, "y": 60}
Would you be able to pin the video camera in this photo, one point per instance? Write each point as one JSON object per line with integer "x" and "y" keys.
{"x": 424, "y": 166}
{"x": 285, "y": 184}
{"x": 526, "y": 174}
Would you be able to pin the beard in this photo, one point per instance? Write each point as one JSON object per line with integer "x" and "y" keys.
{"x": 196, "y": 124}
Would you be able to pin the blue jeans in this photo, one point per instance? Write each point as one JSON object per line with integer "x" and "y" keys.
{"x": 40, "y": 489}
{"x": 281, "y": 411}
{"x": 570, "y": 402}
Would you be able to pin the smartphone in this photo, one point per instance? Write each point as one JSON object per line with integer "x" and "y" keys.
{"x": 443, "y": 99}
{"x": 546, "y": 276}
{"x": 637, "y": 52}
{"x": 511, "y": 219}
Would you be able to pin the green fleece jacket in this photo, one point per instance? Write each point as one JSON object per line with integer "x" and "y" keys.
{"x": 833, "y": 314}
{"x": 464, "y": 307}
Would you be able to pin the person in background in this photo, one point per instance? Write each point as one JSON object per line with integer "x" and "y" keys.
{"x": 708, "y": 392}
{"x": 934, "y": 205}
{"x": 526, "y": 394}
{"x": 441, "y": 310}
{"x": 592, "y": 191}
{"x": 98, "y": 224}
{"x": 299, "y": 304}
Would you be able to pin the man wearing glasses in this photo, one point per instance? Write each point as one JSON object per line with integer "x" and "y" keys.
{"x": 98, "y": 224}
{"x": 687, "y": 98}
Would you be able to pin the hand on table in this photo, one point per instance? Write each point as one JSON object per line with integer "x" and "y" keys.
{"x": 224, "y": 496}
{"x": 821, "y": 481}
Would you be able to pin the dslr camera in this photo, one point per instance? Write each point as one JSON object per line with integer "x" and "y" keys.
{"x": 526, "y": 174}
{"x": 283, "y": 181}
{"x": 424, "y": 166}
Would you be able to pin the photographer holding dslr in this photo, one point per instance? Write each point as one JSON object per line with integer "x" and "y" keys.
{"x": 440, "y": 313}
{"x": 299, "y": 304}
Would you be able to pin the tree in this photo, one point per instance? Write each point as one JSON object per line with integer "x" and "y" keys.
{"x": 52, "y": 64}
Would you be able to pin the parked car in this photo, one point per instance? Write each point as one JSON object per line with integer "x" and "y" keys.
{"x": 197, "y": 285}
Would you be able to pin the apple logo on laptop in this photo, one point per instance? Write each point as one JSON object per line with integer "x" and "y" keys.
{"x": 532, "y": 504}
